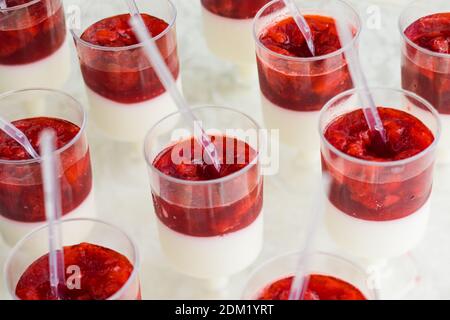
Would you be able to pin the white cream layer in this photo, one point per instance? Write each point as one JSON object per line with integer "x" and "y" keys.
{"x": 51, "y": 72}
{"x": 377, "y": 240}
{"x": 129, "y": 122}
{"x": 229, "y": 39}
{"x": 12, "y": 231}
{"x": 298, "y": 129}
{"x": 212, "y": 257}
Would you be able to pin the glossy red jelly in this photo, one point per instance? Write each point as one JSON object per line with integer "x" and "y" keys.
{"x": 407, "y": 136}
{"x": 235, "y": 9}
{"x": 423, "y": 74}
{"x": 21, "y": 189}
{"x": 302, "y": 86}
{"x": 215, "y": 219}
{"x": 103, "y": 273}
{"x": 32, "y": 33}
{"x": 320, "y": 287}
{"x": 123, "y": 73}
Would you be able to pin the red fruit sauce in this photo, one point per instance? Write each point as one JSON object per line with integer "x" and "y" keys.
{"x": 302, "y": 86}
{"x": 32, "y": 33}
{"x": 209, "y": 215}
{"x": 320, "y": 287}
{"x": 124, "y": 74}
{"x": 21, "y": 189}
{"x": 103, "y": 273}
{"x": 235, "y": 9}
{"x": 423, "y": 74}
{"x": 407, "y": 136}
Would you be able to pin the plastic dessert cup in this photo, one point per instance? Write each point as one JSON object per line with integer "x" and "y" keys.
{"x": 210, "y": 224}
{"x": 331, "y": 277}
{"x": 379, "y": 200}
{"x": 106, "y": 258}
{"x": 21, "y": 190}
{"x": 125, "y": 94}
{"x": 294, "y": 85}
{"x": 227, "y": 25}
{"x": 33, "y": 50}
{"x": 425, "y": 29}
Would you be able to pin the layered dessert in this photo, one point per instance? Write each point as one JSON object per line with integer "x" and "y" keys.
{"x": 293, "y": 88}
{"x": 426, "y": 67}
{"x": 379, "y": 196}
{"x": 33, "y": 50}
{"x": 210, "y": 223}
{"x": 103, "y": 273}
{"x": 320, "y": 287}
{"x": 227, "y": 27}
{"x": 124, "y": 92}
{"x": 21, "y": 187}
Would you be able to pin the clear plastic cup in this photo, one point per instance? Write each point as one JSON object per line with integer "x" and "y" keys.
{"x": 294, "y": 89}
{"x": 208, "y": 229}
{"x": 124, "y": 91}
{"x": 103, "y": 234}
{"x": 426, "y": 72}
{"x": 319, "y": 263}
{"x": 21, "y": 191}
{"x": 379, "y": 211}
{"x": 227, "y": 26}
{"x": 34, "y": 51}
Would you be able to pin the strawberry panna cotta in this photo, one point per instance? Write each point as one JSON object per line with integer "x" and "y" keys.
{"x": 124, "y": 91}
{"x": 300, "y": 92}
{"x": 210, "y": 223}
{"x": 406, "y": 137}
{"x": 25, "y": 202}
{"x": 33, "y": 48}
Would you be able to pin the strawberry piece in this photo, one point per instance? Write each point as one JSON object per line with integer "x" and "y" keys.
{"x": 363, "y": 197}
{"x": 236, "y": 9}
{"x": 103, "y": 273}
{"x": 203, "y": 218}
{"x": 320, "y": 287}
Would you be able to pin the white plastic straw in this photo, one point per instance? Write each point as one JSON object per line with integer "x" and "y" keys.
{"x": 302, "y": 24}
{"x": 168, "y": 81}
{"x": 52, "y": 196}
{"x": 300, "y": 283}
{"x": 18, "y": 136}
{"x": 359, "y": 80}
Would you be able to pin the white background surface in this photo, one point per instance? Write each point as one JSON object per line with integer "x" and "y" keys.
{"x": 122, "y": 188}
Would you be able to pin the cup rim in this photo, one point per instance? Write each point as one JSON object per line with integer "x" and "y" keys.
{"x": 402, "y": 30}
{"x": 136, "y": 261}
{"x": 169, "y": 27}
{"x": 232, "y": 176}
{"x": 20, "y": 6}
{"x": 74, "y": 140}
{"x": 297, "y": 253}
{"x": 308, "y": 59}
{"x": 384, "y": 164}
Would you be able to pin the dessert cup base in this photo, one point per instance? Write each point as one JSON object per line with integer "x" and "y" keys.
{"x": 394, "y": 278}
{"x": 217, "y": 284}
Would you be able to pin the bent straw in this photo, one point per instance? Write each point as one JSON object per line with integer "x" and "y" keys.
{"x": 301, "y": 23}
{"x": 359, "y": 79}
{"x": 52, "y": 196}
{"x": 168, "y": 81}
{"x": 18, "y": 136}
